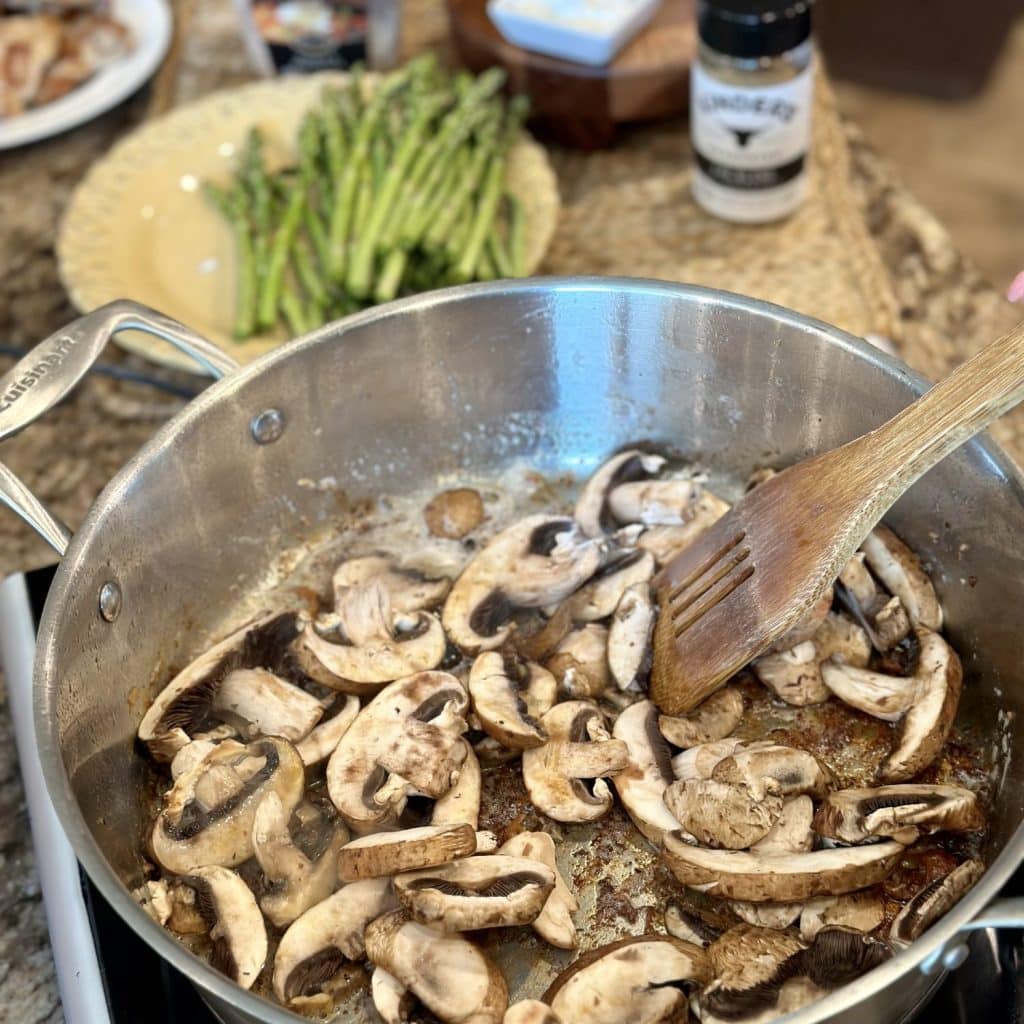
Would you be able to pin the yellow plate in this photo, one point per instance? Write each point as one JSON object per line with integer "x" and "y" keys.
{"x": 139, "y": 227}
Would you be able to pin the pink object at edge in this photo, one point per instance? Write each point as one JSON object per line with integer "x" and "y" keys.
{"x": 1015, "y": 292}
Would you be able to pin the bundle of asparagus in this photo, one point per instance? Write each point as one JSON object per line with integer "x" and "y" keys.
{"x": 397, "y": 189}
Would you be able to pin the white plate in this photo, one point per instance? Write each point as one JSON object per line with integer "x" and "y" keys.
{"x": 150, "y": 23}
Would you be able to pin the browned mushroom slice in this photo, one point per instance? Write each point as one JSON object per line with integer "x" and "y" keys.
{"x": 411, "y": 849}
{"x": 554, "y": 923}
{"x": 410, "y": 589}
{"x": 600, "y": 595}
{"x": 904, "y": 576}
{"x": 454, "y": 513}
{"x": 641, "y": 979}
{"x": 642, "y": 783}
{"x": 580, "y": 662}
{"x": 394, "y": 1003}
{"x": 461, "y": 804}
{"x": 665, "y": 542}
{"x": 665, "y": 502}
{"x": 260, "y": 703}
{"x": 724, "y": 816}
{"x": 366, "y": 795}
{"x": 318, "y": 945}
{"x": 592, "y": 512}
{"x": 688, "y": 926}
{"x": 926, "y": 701}
{"x": 495, "y": 891}
{"x": 208, "y": 815}
{"x": 579, "y": 748}
{"x": 322, "y": 741}
{"x": 796, "y": 771}
{"x": 857, "y": 911}
{"x": 779, "y": 878}
{"x": 508, "y": 694}
{"x": 446, "y": 973}
{"x": 236, "y": 925}
{"x": 903, "y": 813}
{"x": 629, "y": 638}
{"x": 700, "y": 761}
{"x": 933, "y": 901}
{"x": 713, "y": 720}
{"x": 530, "y": 1011}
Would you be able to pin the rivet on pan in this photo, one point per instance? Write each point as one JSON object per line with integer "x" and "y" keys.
{"x": 954, "y": 957}
{"x": 267, "y": 426}
{"x": 110, "y": 601}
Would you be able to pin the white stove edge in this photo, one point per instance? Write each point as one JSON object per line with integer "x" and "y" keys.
{"x": 71, "y": 940}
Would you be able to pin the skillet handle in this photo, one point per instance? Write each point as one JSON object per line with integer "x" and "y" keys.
{"x": 1002, "y": 913}
{"x": 47, "y": 373}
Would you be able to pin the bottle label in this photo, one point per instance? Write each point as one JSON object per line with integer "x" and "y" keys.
{"x": 750, "y": 145}
{"x": 305, "y": 36}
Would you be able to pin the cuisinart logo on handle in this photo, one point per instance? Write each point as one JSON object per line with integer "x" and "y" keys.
{"x": 48, "y": 363}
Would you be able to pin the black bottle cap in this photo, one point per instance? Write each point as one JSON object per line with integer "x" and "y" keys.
{"x": 754, "y": 28}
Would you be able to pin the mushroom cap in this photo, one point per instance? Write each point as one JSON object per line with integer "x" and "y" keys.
{"x": 904, "y": 576}
{"x": 724, "y": 815}
{"x": 860, "y": 911}
{"x": 580, "y": 662}
{"x": 637, "y": 979}
{"x": 318, "y": 944}
{"x": 448, "y": 974}
{"x": 530, "y": 1011}
{"x": 410, "y": 590}
{"x": 263, "y": 704}
{"x": 578, "y": 748}
{"x": 236, "y": 925}
{"x": 454, "y": 513}
{"x": 536, "y": 562}
{"x": 411, "y": 849}
{"x": 629, "y": 636}
{"x": 699, "y": 762}
{"x": 714, "y": 719}
{"x": 592, "y": 512}
{"x": 642, "y": 783}
{"x": 904, "y": 813}
{"x": 933, "y": 901}
{"x": 191, "y": 833}
{"x": 600, "y": 595}
{"x": 779, "y": 878}
{"x": 667, "y": 502}
{"x": 796, "y": 771}
{"x": 554, "y": 924}
{"x": 499, "y": 686}
{"x": 494, "y": 891}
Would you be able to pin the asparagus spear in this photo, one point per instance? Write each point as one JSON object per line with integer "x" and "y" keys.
{"x": 234, "y": 207}
{"x": 497, "y": 256}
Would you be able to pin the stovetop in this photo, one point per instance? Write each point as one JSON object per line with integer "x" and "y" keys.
{"x": 988, "y": 989}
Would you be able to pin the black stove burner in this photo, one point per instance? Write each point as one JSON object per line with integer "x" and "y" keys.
{"x": 143, "y": 989}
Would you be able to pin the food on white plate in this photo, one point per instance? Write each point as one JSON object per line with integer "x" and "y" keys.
{"x": 446, "y": 767}
{"x": 49, "y": 47}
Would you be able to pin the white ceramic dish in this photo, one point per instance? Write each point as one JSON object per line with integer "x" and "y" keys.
{"x": 150, "y": 22}
{"x": 583, "y": 31}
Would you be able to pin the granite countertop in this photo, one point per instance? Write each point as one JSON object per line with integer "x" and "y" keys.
{"x": 946, "y": 309}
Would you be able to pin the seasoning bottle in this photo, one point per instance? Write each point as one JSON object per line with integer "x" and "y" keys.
{"x": 751, "y": 92}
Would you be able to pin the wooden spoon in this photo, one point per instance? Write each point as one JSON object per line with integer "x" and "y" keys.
{"x": 750, "y": 578}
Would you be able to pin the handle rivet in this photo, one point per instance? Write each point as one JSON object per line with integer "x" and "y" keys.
{"x": 110, "y": 601}
{"x": 267, "y": 426}
{"x": 955, "y": 957}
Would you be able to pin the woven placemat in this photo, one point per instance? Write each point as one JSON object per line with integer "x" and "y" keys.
{"x": 628, "y": 210}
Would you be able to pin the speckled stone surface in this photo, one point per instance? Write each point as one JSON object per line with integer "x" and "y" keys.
{"x": 946, "y": 311}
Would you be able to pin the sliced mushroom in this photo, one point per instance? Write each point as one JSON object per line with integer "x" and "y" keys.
{"x": 579, "y": 748}
{"x": 508, "y": 694}
{"x": 426, "y": 756}
{"x": 461, "y": 804}
{"x": 379, "y": 645}
{"x": 688, "y": 926}
{"x": 933, "y": 901}
{"x": 713, "y": 720}
{"x": 641, "y": 979}
{"x": 391, "y": 999}
{"x": 779, "y": 878}
{"x": 185, "y": 707}
{"x": 793, "y": 832}
{"x": 859, "y": 582}
{"x": 236, "y": 925}
{"x": 537, "y": 562}
{"x": 554, "y": 923}
{"x": 592, "y": 510}
{"x": 725, "y": 816}
{"x": 778, "y": 916}
{"x": 185, "y": 918}
{"x": 858, "y": 911}
{"x": 411, "y": 849}
{"x": 580, "y": 662}
{"x": 537, "y": 639}
{"x": 902, "y": 573}
{"x": 322, "y": 741}
{"x": 927, "y": 702}
{"x": 667, "y": 502}
{"x": 318, "y": 944}
{"x": 410, "y": 590}
{"x": 641, "y": 785}
{"x": 795, "y": 675}
{"x": 629, "y": 637}
{"x": 495, "y": 891}
{"x": 156, "y": 900}
{"x": 205, "y": 824}
{"x": 299, "y": 879}
{"x": 189, "y": 756}
{"x": 262, "y": 704}
{"x": 530, "y": 1011}
{"x": 699, "y": 762}
{"x": 454, "y": 513}
{"x": 796, "y": 771}
{"x": 665, "y": 542}
{"x": 366, "y": 796}
{"x": 903, "y": 813}
{"x": 807, "y": 626}
{"x": 599, "y": 597}
{"x": 448, "y": 974}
